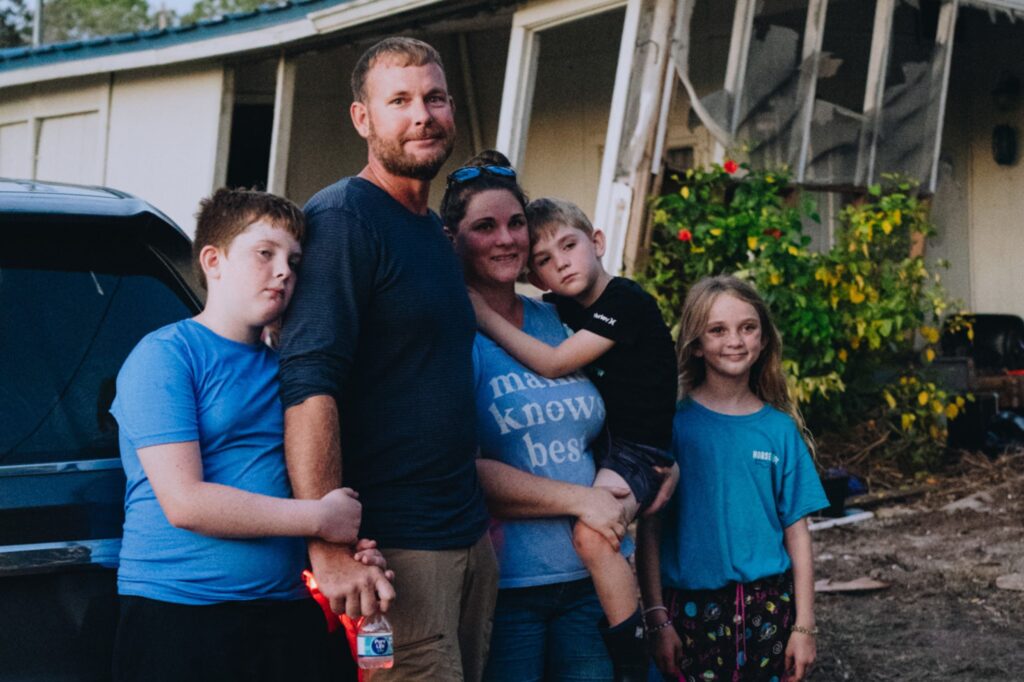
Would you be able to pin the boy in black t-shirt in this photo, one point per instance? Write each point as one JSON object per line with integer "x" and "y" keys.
{"x": 622, "y": 341}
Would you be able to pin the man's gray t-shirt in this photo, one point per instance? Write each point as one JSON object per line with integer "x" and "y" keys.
{"x": 381, "y": 322}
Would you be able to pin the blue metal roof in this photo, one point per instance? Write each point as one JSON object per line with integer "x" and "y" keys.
{"x": 12, "y": 58}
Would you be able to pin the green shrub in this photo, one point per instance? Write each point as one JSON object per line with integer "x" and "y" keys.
{"x": 857, "y": 320}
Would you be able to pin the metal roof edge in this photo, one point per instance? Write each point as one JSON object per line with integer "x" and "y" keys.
{"x": 272, "y": 24}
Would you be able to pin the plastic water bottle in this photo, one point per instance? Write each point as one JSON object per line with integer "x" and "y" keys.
{"x": 374, "y": 644}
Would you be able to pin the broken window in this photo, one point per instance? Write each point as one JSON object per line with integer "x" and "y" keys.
{"x": 914, "y": 89}
{"x": 768, "y": 109}
{"x": 839, "y": 90}
{"x": 837, "y": 114}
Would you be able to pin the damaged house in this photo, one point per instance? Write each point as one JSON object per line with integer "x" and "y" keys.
{"x": 592, "y": 99}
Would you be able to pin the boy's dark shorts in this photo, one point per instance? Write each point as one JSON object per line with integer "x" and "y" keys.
{"x": 635, "y": 462}
{"x": 245, "y": 641}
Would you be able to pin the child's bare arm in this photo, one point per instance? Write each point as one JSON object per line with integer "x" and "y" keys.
{"x": 175, "y": 471}
{"x": 579, "y": 350}
{"x": 666, "y": 646}
{"x": 802, "y": 648}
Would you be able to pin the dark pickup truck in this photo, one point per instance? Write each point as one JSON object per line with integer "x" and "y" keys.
{"x": 85, "y": 273}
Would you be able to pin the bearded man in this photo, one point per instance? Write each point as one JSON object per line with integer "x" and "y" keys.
{"x": 377, "y": 378}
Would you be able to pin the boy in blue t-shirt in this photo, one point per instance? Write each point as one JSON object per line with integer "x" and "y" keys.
{"x": 621, "y": 340}
{"x": 210, "y": 575}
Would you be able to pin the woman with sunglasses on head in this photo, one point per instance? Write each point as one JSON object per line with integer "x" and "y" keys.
{"x": 536, "y": 467}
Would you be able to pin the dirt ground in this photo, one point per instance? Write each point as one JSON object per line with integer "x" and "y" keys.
{"x": 943, "y": 616}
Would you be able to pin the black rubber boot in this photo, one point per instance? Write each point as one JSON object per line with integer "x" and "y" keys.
{"x": 627, "y": 648}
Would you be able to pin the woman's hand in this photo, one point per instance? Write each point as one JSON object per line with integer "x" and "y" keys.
{"x": 602, "y": 510}
{"x": 667, "y": 650}
{"x": 800, "y": 654}
{"x": 670, "y": 478}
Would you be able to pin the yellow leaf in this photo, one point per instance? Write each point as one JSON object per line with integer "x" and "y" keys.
{"x": 716, "y": 231}
{"x": 959, "y": 401}
{"x": 775, "y": 278}
{"x": 922, "y": 398}
{"x": 930, "y": 333}
{"x": 897, "y": 217}
{"x": 685, "y": 192}
{"x": 970, "y": 333}
{"x": 696, "y": 249}
{"x": 855, "y": 295}
{"x": 937, "y": 407}
{"x": 889, "y": 399}
{"x": 933, "y": 431}
{"x": 661, "y": 216}
{"x": 864, "y": 248}
{"x": 903, "y": 381}
{"x": 886, "y": 226}
{"x": 843, "y": 355}
{"x": 907, "y": 420}
{"x": 855, "y": 343}
{"x": 929, "y": 354}
{"x": 952, "y": 410}
{"x": 751, "y": 243}
{"x": 793, "y": 251}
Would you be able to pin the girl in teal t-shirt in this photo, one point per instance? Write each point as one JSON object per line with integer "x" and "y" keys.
{"x": 735, "y": 576}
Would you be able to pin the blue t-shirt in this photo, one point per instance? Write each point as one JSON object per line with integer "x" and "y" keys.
{"x": 542, "y": 426}
{"x": 742, "y": 481}
{"x": 185, "y": 383}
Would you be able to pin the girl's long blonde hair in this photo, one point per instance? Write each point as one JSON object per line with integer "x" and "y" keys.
{"x": 767, "y": 380}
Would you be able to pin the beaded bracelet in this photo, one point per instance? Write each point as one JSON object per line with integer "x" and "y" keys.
{"x": 651, "y": 629}
{"x": 813, "y": 632}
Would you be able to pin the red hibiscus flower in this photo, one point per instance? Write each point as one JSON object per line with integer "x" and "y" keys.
{"x": 685, "y": 235}
{"x": 730, "y": 166}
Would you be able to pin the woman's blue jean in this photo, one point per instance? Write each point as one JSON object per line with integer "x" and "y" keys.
{"x": 548, "y": 633}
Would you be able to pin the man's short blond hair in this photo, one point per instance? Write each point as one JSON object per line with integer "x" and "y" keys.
{"x": 399, "y": 50}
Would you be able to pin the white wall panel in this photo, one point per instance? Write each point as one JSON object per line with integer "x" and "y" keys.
{"x": 68, "y": 149}
{"x": 15, "y": 152}
{"x": 163, "y": 140}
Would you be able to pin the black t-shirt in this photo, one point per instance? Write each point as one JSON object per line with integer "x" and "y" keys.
{"x": 637, "y": 377}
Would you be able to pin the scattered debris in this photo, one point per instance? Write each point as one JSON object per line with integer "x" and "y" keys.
{"x": 887, "y": 496}
{"x": 852, "y": 516}
{"x": 1011, "y": 581}
{"x": 978, "y": 502}
{"x": 862, "y": 584}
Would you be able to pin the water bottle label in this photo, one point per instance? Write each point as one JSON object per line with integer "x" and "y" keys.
{"x": 369, "y": 646}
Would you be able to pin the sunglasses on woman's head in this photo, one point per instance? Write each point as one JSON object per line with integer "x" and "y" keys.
{"x": 467, "y": 173}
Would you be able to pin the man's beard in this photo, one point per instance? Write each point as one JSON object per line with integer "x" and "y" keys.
{"x": 393, "y": 158}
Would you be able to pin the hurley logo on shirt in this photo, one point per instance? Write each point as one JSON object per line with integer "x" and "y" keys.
{"x": 610, "y": 321}
{"x": 765, "y": 456}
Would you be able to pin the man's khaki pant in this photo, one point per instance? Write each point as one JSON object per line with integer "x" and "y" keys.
{"x": 442, "y": 613}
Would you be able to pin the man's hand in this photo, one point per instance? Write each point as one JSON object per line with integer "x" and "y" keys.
{"x": 340, "y": 516}
{"x": 670, "y": 478}
{"x": 800, "y": 654}
{"x": 602, "y": 510}
{"x": 351, "y": 587}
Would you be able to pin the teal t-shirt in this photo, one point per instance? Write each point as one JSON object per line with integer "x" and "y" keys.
{"x": 742, "y": 481}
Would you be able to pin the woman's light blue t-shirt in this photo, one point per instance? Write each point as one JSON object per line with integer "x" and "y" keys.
{"x": 742, "y": 481}
{"x": 542, "y": 426}
{"x": 185, "y": 383}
